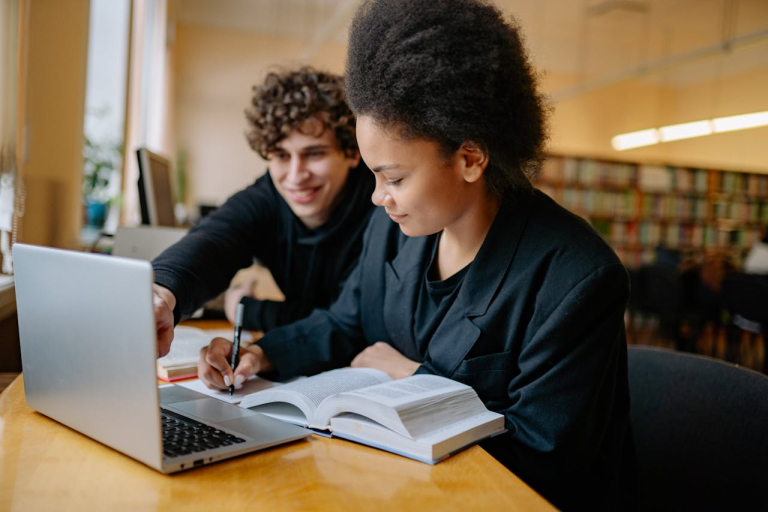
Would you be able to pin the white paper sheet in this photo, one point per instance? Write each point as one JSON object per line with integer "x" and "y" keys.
{"x": 252, "y": 385}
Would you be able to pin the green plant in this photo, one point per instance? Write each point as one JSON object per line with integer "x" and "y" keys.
{"x": 101, "y": 161}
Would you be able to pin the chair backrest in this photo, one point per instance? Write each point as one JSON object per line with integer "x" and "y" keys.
{"x": 663, "y": 288}
{"x": 746, "y": 295}
{"x": 701, "y": 431}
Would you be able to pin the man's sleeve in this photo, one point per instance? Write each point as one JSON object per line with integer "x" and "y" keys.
{"x": 201, "y": 265}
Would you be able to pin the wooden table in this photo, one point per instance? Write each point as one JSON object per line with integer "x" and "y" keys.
{"x": 47, "y": 466}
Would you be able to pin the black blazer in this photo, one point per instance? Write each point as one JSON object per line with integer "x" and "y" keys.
{"x": 537, "y": 329}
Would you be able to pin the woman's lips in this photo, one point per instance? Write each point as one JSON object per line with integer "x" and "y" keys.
{"x": 396, "y": 218}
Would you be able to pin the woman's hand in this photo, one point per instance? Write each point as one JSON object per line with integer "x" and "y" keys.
{"x": 214, "y": 369}
{"x": 383, "y": 356}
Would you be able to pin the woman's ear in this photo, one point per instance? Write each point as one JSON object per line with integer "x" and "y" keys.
{"x": 475, "y": 159}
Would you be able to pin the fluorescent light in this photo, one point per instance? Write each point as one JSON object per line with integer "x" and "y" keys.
{"x": 685, "y": 130}
{"x": 729, "y": 124}
{"x": 635, "y": 139}
{"x": 689, "y": 130}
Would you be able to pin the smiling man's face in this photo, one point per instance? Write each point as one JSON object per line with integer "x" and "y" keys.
{"x": 309, "y": 172}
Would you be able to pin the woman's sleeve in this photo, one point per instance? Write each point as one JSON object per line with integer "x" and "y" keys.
{"x": 266, "y": 315}
{"x": 327, "y": 338}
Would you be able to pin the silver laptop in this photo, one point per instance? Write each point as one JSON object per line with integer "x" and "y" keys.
{"x": 145, "y": 242}
{"x": 88, "y": 352}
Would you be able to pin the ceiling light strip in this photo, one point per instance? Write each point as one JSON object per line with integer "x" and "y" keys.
{"x": 682, "y": 131}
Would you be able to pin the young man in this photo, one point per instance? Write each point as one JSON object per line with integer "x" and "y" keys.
{"x": 303, "y": 219}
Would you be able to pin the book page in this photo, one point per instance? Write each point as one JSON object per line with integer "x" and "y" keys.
{"x": 284, "y": 412}
{"x": 307, "y": 394}
{"x": 185, "y": 349}
{"x": 411, "y": 406}
{"x": 319, "y": 387}
{"x": 187, "y": 342}
{"x": 410, "y": 389}
{"x": 251, "y": 385}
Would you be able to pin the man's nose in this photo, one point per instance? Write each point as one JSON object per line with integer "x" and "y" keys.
{"x": 298, "y": 170}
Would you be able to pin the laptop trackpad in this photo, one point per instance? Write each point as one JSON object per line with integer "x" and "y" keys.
{"x": 211, "y": 409}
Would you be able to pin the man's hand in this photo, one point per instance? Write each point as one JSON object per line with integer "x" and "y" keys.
{"x": 383, "y": 356}
{"x": 163, "y": 302}
{"x": 214, "y": 369}
{"x": 234, "y": 295}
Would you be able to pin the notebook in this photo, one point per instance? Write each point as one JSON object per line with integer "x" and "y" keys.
{"x": 88, "y": 349}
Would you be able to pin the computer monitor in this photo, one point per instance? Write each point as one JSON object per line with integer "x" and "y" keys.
{"x": 145, "y": 242}
{"x": 155, "y": 194}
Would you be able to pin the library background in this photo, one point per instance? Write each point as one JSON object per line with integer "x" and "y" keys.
{"x": 683, "y": 233}
{"x": 658, "y": 133}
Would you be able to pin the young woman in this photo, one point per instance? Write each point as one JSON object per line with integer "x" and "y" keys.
{"x": 303, "y": 220}
{"x": 467, "y": 271}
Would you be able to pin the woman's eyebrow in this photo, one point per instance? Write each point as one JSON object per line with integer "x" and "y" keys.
{"x": 385, "y": 167}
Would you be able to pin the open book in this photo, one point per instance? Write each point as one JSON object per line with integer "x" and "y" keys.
{"x": 424, "y": 417}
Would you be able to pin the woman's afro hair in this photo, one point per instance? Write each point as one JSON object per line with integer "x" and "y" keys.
{"x": 450, "y": 71}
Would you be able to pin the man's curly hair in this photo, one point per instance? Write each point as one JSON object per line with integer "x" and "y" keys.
{"x": 287, "y": 99}
{"x": 449, "y": 71}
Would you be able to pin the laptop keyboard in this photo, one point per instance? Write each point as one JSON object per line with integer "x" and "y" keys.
{"x": 182, "y": 435}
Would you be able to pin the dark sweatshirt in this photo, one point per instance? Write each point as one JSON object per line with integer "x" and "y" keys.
{"x": 309, "y": 265}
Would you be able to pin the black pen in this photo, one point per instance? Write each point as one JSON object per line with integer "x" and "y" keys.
{"x": 236, "y": 344}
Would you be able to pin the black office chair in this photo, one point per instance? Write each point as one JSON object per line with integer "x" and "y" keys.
{"x": 746, "y": 296}
{"x": 637, "y": 307}
{"x": 665, "y": 297}
{"x": 701, "y": 432}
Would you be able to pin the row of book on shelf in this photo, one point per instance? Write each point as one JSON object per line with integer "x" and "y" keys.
{"x": 632, "y": 203}
{"x": 675, "y": 235}
{"x": 637, "y": 207}
{"x": 635, "y": 258}
{"x": 588, "y": 172}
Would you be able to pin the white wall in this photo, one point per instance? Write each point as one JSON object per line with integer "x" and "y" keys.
{"x": 214, "y": 72}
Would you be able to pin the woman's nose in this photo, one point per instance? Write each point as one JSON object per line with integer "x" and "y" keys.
{"x": 380, "y": 196}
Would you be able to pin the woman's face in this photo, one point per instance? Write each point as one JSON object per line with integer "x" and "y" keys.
{"x": 421, "y": 190}
{"x": 309, "y": 172}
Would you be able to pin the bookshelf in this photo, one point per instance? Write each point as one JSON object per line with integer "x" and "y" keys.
{"x": 637, "y": 207}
